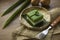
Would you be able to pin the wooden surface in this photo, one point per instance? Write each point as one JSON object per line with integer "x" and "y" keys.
{"x": 4, "y": 4}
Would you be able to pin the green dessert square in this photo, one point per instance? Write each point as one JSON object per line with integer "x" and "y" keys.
{"x": 34, "y": 17}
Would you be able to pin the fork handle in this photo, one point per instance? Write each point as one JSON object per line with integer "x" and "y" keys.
{"x": 56, "y": 21}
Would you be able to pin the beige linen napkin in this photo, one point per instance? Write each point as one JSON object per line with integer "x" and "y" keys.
{"x": 55, "y": 13}
{"x": 24, "y": 33}
{"x": 56, "y": 32}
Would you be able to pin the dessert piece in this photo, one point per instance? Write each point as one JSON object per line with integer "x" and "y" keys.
{"x": 34, "y": 17}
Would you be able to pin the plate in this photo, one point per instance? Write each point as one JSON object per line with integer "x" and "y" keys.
{"x": 40, "y": 26}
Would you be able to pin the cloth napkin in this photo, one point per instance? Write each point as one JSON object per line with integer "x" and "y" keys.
{"x": 24, "y": 33}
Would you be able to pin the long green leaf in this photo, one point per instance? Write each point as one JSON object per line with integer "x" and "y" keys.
{"x": 12, "y": 7}
{"x": 26, "y": 3}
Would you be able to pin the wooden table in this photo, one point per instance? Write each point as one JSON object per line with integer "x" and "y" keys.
{"x": 4, "y": 4}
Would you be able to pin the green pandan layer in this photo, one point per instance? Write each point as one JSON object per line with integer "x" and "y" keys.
{"x": 31, "y": 13}
{"x": 34, "y": 23}
{"x": 36, "y": 18}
